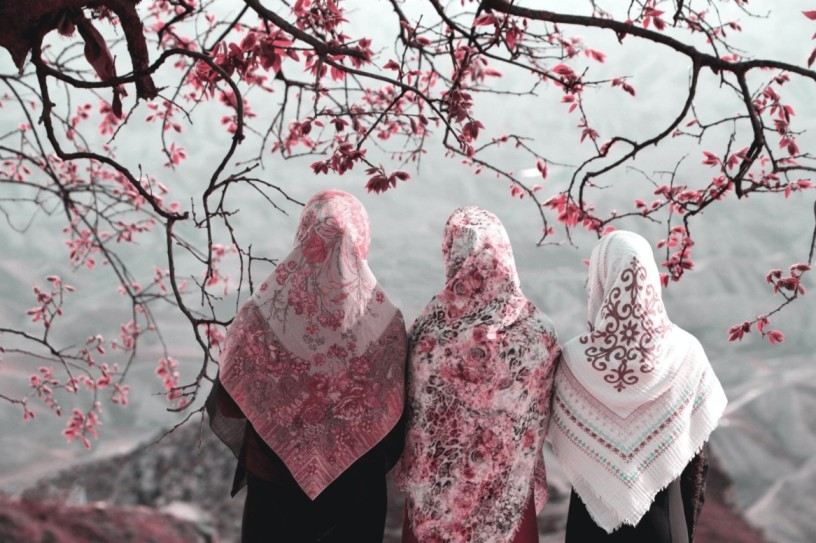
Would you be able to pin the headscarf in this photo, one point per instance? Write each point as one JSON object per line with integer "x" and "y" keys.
{"x": 315, "y": 359}
{"x": 481, "y": 363}
{"x": 635, "y": 396}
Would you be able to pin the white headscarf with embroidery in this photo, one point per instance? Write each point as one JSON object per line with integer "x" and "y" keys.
{"x": 635, "y": 397}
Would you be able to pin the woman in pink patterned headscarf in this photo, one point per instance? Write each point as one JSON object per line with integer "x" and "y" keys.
{"x": 311, "y": 386}
{"x": 480, "y": 371}
{"x": 635, "y": 400}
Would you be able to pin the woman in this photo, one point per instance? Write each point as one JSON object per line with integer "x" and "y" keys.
{"x": 481, "y": 364}
{"x": 635, "y": 399}
{"x": 311, "y": 387}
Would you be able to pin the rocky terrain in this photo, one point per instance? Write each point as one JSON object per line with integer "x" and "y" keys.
{"x": 26, "y": 521}
{"x": 178, "y": 491}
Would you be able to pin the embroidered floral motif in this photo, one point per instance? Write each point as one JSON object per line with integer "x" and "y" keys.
{"x": 316, "y": 358}
{"x": 318, "y": 423}
{"x": 632, "y": 322}
{"x": 481, "y": 367}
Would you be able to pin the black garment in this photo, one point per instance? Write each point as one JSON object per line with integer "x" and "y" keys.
{"x": 671, "y": 518}
{"x": 692, "y": 485}
{"x": 380, "y": 459}
{"x": 351, "y": 509}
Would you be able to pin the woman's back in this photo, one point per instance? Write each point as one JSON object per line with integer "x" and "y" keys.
{"x": 481, "y": 362}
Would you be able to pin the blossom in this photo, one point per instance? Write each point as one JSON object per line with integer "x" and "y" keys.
{"x": 629, "y": 332}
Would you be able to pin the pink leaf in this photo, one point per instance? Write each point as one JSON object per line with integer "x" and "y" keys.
{"x": 659, "y": 23}
{"x": 595, "y": 55}
{"x": 735, "y": 333}
{"x": 711, "y": 159}
{"x": 564, "y": 70}
{"x": 775, "y": 336}
{"x": 484, "y": 20}
{"x": 761, "y": 323}
{"x": 542, "y": 168}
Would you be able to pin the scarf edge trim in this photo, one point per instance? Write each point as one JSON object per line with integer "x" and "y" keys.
{"x": 612, "y": 517}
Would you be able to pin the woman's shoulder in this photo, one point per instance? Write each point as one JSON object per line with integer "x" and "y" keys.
{"x": 684, "y": 337}
{"x": 537, "y": 323}
{"x": 539, "y": 319}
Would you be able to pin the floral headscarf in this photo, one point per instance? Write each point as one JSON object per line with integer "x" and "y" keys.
{"x": 316, "y": 358}
{"x": 635, "y": 396}
{"x": 481, "y": 366}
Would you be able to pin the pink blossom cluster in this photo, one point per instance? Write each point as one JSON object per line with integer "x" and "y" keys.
{"x": 212, "y": 274}
{"x": 678, "y": 260}
{"x": 44, "y": 384}
{"x": 81, "y": 425}
{"x": 167, "y": 371}
{"x": 790, "y": 287}
{"x": 49, "y": 304}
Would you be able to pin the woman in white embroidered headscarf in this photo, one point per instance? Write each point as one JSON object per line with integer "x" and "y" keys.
{"x": 311, "y": 386}
{"x": 634, "y": 402}
{"x": 481, "y": 364}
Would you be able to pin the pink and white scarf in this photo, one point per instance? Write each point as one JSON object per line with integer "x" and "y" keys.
{"x": 316, "y": 358}
{"x": 481, "y": 366}
{"x": 635, "y": 397}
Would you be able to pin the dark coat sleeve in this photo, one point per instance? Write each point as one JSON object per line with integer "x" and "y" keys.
{"x": 393, "y": 443}
{"x": 226, "y": 405}
{"x": 692, "y": 483}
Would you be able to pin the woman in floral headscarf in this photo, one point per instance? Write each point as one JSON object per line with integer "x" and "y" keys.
{"x": 480, "y": 371}
{"x": 635, "y": 400}
{"x": 311, "y": 387}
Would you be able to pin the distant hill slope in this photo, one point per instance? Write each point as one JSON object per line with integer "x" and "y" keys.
{"x": 24, "y": 521}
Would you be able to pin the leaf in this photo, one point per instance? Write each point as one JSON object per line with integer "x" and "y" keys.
{"x": 542, "y": 168}
{"x": 595, "y": 55}
{"x": 775, "y": 336}
{"x": 659, "y": 23}
{"x": 810, "y": 15}
{"x": 711, "y": 159}
{"x": 564, "y": 70}
{"x": 484, "y": 20}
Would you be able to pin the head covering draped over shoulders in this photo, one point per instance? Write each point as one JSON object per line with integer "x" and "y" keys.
{"x": 635, "y": 396}
{"x": 480, "y": 371}
{"x": 315, "y": 358}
